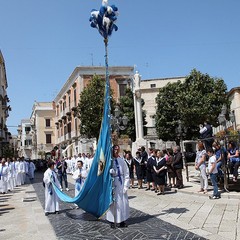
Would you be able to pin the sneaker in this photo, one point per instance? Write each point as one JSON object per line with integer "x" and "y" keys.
{"x": 67, "y": 189}
{"x": 214, "y": 197}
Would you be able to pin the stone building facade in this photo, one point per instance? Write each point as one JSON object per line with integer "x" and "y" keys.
{"x": 67, "y": 124}
{"x": 5, "y": 135}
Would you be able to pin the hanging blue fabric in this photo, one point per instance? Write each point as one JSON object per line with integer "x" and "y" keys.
{"x": 118, "y": 171}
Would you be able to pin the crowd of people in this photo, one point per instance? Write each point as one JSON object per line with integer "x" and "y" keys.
{"x": 209, "y": 161}
{"x": 15, "y": 172}
{"x": 58, "y": 171}
{"x": 157, "y": 168}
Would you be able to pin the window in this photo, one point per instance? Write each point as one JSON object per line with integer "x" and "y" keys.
{"x": 75, "y": 97}
{"x": 153, "y": 85}
{"x": 48, "y": 138}
{"x": 48, "y": 122}
{"x": 27, "y": 130}
{"x": 122, "y": 89}
{"x": 69, "y": 100}
{"x": 27, "y": 142}
{"x": 69, "y": 127}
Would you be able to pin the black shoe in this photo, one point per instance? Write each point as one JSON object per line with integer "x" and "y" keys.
{"x": 112, "y": 225}
{"x": 181, "y": 186}
{"x": 123, "y": 225}
{"x": 46, "y": 213}
{"x": 57, "y": 212}
{"x": 147, "y": 189}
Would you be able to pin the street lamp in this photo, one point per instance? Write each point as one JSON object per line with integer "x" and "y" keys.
{"x": 222, "y": 121}
{"x": 233, "y": 119}
{"x": 117, "y": 122}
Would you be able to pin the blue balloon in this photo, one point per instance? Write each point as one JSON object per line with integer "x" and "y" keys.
{"x": 104, "y": 19}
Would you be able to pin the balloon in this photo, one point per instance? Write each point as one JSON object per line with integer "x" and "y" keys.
{"x": 104, "y": 19}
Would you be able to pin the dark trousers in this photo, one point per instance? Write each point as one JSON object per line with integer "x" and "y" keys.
{"x": 63, "y": 177}
{"x": 178, "y": 173}
{"x": 234, "y": 165}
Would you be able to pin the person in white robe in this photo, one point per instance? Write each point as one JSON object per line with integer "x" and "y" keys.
{"x": 10, "y": 174}
{"x": 79, "y": 176}
{"x": 74, "y": 163}
{"x": 14, "y": 171}
{"x": 69, "y": 165}
{"x": 18, "y": 173}
{"x": 22, "y": 170}
{"x": 51, "y": 198}
{"x": 119, "y": 211}
{"x": 26, "y": 168}
{"x": 4, "y": 171}
{"x": 32, "y": 169}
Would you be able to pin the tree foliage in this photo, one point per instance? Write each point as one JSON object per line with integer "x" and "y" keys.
{"x": 199, "y": 98}
{"x": 90, "y": 107}
{"x": 127, "y": 108}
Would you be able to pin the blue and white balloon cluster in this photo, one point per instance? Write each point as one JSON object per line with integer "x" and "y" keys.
{"x": 104, "y": 19}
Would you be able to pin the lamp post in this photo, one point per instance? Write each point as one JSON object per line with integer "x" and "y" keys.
{"x": 233, "y": 119}
{"x": 180, "y": 131}
{"x": 222, "y": 121}
{"x": 118, "y": 123}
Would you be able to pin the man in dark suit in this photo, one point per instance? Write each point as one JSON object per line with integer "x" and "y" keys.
{"x": 62, "y": 173}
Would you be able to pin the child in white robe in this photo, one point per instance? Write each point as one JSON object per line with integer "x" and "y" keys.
{"x": 4, "y": 171}
{"x": 79, "y": 176}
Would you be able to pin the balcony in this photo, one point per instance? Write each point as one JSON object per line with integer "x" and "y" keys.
{"x": 28, "y": 147}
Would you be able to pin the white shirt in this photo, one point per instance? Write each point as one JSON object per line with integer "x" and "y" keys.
{"x": 211, "y": 161}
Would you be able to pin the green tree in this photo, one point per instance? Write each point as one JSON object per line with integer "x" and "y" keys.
{"x": 90, "y": 107}
{"x": 127, "y": 108}
{"x": 199, "y": 98}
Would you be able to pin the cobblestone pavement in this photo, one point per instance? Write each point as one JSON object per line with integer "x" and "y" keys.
{"x": 73, "y": 223}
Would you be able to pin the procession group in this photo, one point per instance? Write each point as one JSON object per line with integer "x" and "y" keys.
{"x": 79, "y": 168}
{"x": 15, "y": 172}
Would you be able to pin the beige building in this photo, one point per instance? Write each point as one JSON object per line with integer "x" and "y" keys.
{"x": 42, "y": 132}
{"x": 234, "y": 98}
{"x": 4, "y": 108}
{"x": 149, "y": 91}
{"x": 25, "y": 139}
{"x": 67, "y": 124}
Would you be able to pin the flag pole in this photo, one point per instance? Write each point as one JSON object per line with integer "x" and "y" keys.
{"x": 109, "y": 124}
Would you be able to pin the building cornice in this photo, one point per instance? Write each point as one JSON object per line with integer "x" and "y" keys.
{"x": 90, "y": 71}
{"x": 233, "y": 90}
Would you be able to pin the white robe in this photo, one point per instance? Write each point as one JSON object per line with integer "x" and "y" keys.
{"x": 26, "y": 168}
{"x": 4, "y": 171}
{"x": 79, "y": 181}
{"x": 18, "y": 173}
{"x": 31, "y": 168}
{"x": 11, "y": 176}
{"x": 22, "y": 172}
{"x": 69, "y": 166}
{"x": 121, "y": 205}
{"x": 51, "y": 198}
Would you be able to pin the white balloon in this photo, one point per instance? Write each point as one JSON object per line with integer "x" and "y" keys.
{"x": 105, "y": 2}
{"x": 106, "y": 22}
{"x": 109, "y": 10}
{"x": 95, "y": 13}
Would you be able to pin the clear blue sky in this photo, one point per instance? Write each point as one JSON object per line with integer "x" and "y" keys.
{"x": 42, "y": 42}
